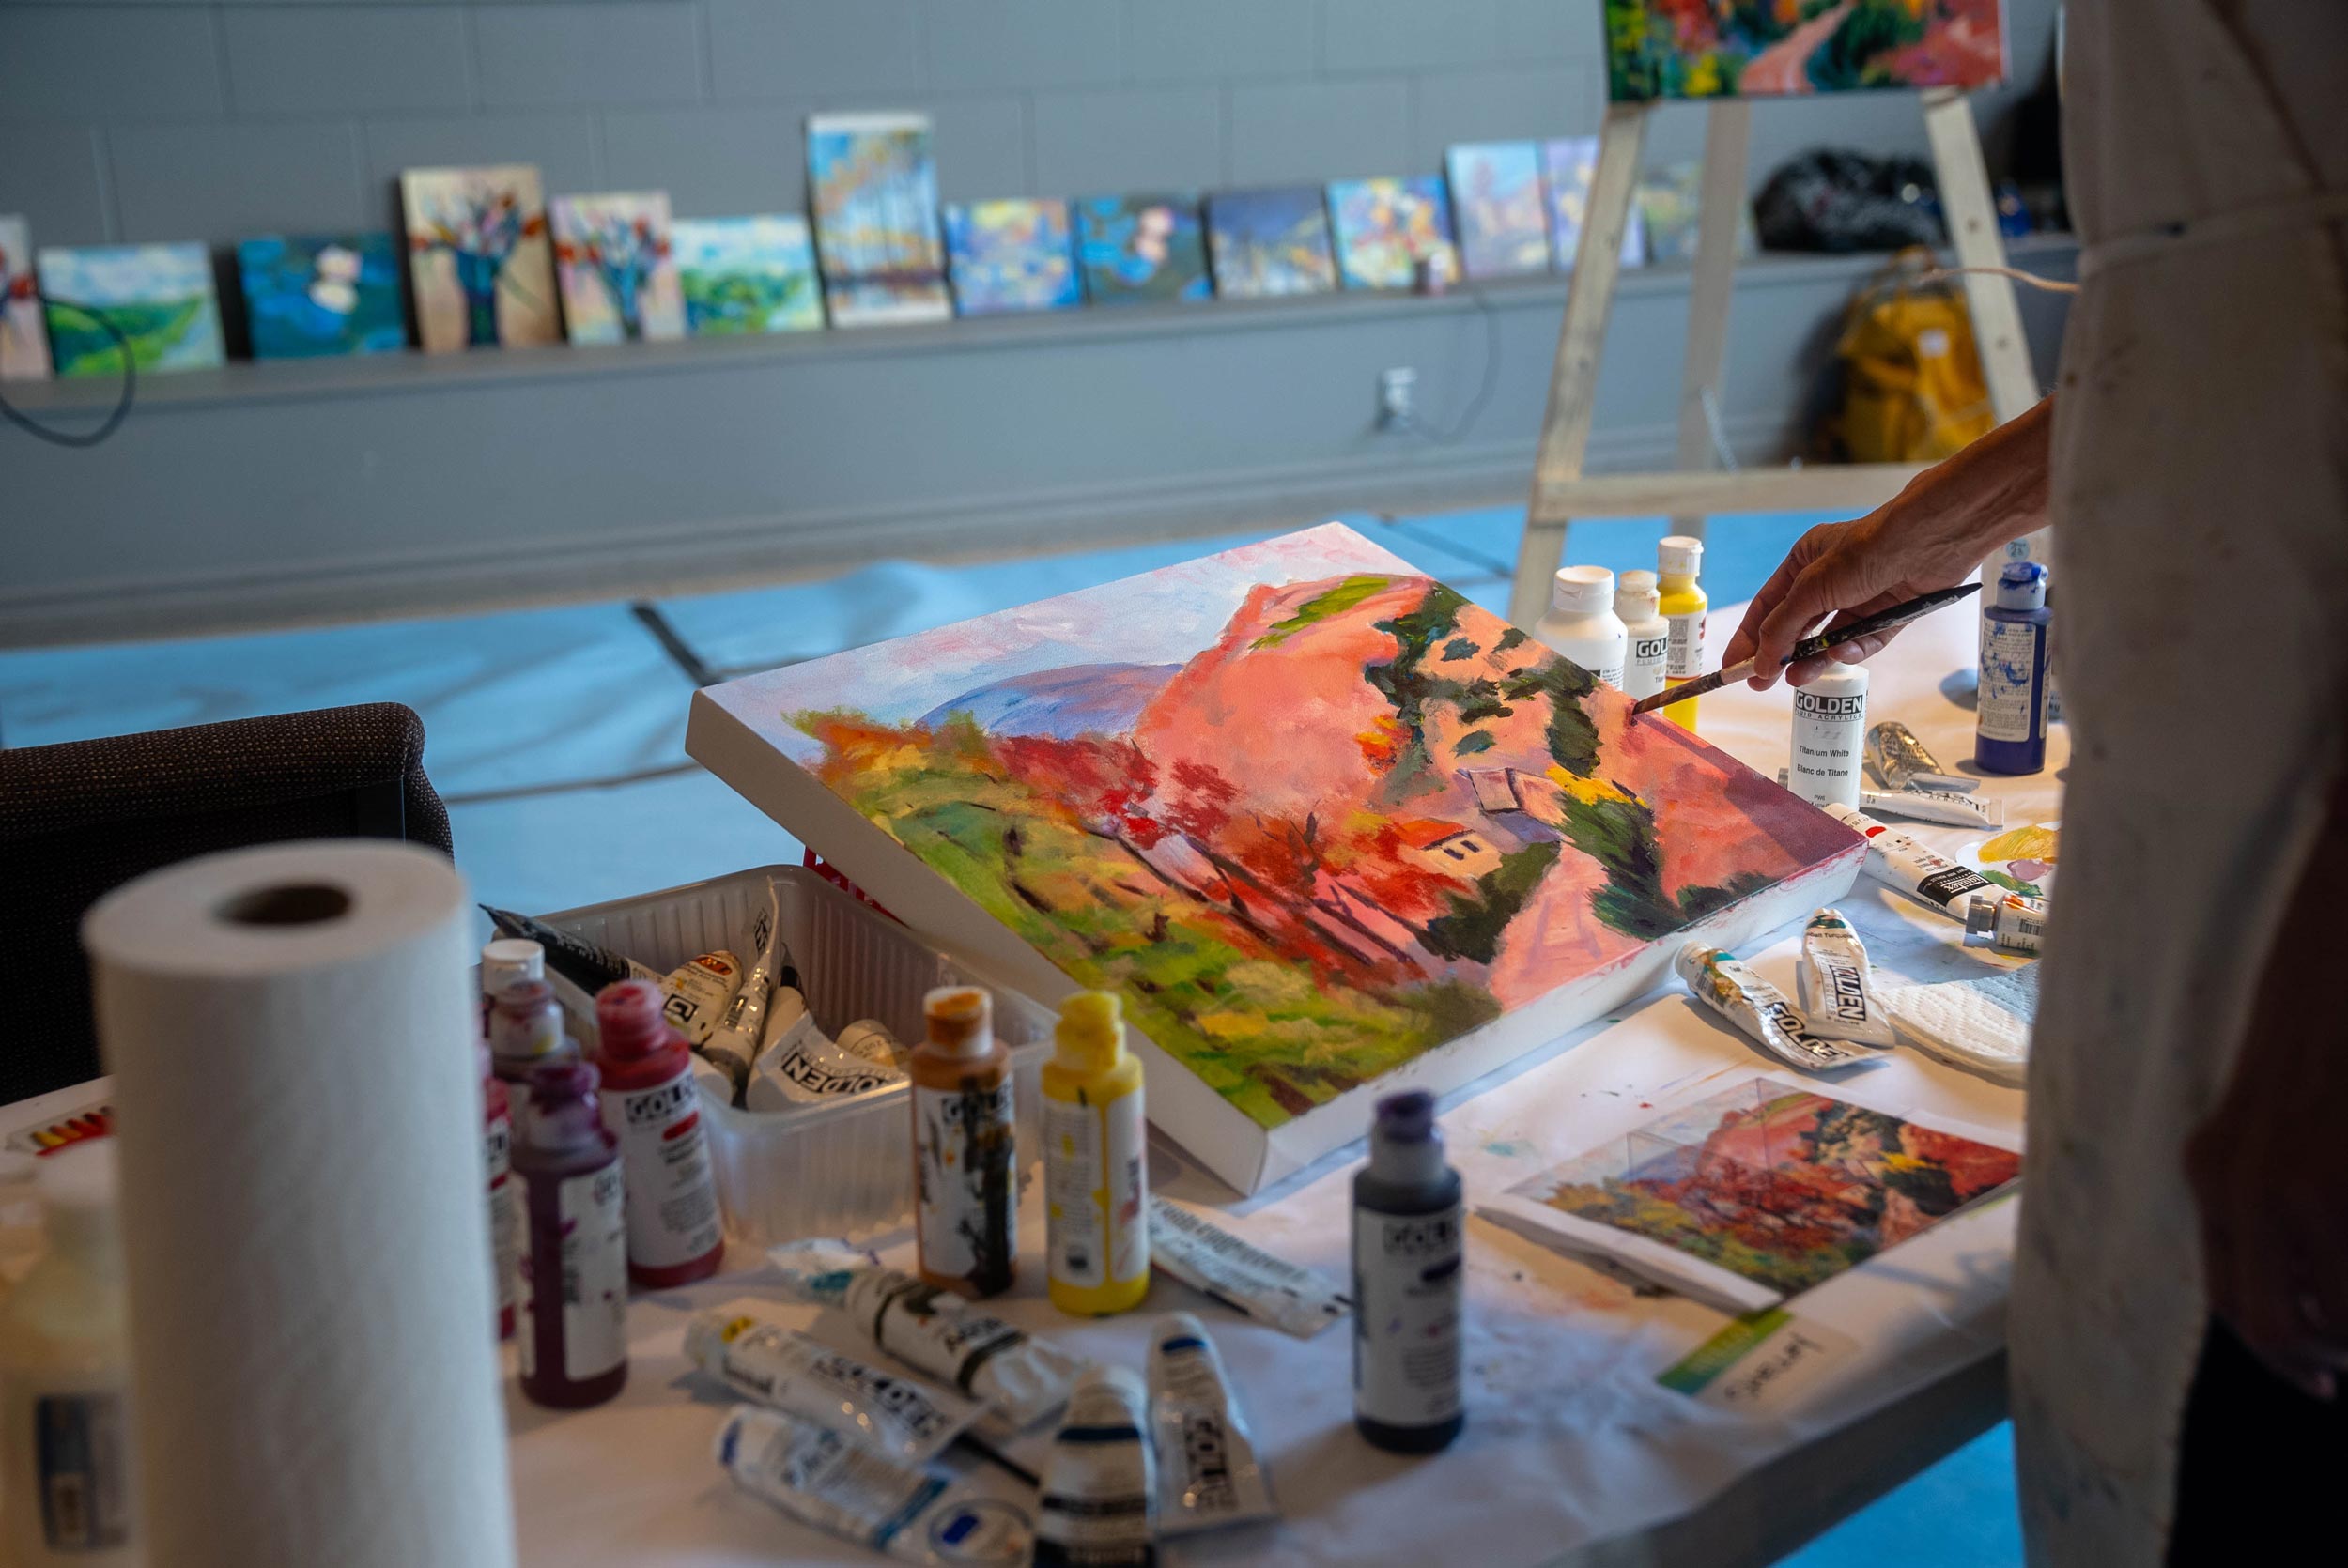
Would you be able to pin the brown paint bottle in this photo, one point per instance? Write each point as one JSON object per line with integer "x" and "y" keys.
{"x": 964, "y": 1167}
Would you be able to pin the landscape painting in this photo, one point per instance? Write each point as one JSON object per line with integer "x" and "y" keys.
{"x": 306, "y": 298}
{"x": 478, "y": 259}
{"x": 158, "y": 298}
{"x": 873, "y": 185}
{"x": 1497, "y": 209}
{"x": 24, "y": 336}
{"x": 1674, "y": 49}
{"x": 1265, "y": 243}
{"x": 1141, "y": 249}
{"x": 618, "y": 268}
{"x": 1385, "y": 229}
{"x": 1775, "y": 1185}
{"x": 1309, "y": 812}
{"x": 747, "y": 275}
{"x": 1016, "y": 254}
{"x": 1568, "y": 165}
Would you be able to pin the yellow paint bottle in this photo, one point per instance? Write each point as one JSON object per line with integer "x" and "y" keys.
{"x": 1682, "y": 605}
{"x": 1096, "y": 1182}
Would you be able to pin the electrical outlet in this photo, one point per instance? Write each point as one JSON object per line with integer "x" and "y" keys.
{"x": 1397, "y": 398}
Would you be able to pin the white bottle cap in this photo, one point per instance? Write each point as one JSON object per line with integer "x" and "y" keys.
{"x": 1635, "y": 587}
{"x": 509, "y": 959}
{"x": 1680, "y": 556}
{"x": 1582, "y": 589}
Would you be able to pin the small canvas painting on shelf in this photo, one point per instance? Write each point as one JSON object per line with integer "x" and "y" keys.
{"x": 24, "y": 338}
{"x": 478, "y": 258}
{"x": 1670, "y": 203}
{"x": 1497, "y": 207}
{"x": 158, "y": 298}
{"x": 1264, "y": 243}
{"x": 1668, "y": 49}
{"x": 1140, "y": 249}
{"x": 310, "y": 296}
{"x": 1387, "y": 228}
{"x": 618, "y": 268}
{"x": 872, "y": 183}
{"x": 1568, "y": 165}
{"x": 1015, "y": 254}
{"x": 746, "y": 275}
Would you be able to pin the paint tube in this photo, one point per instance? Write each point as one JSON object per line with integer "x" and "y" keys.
{"x": 1099, "y": 1507}
{"x": 1926, "y": 806}
{"x": 694, "y": 995}
{"x": 733, "y": 1044}
{"x": 859, "y": 1493}
{"x": 785, "y": 1005}
{"x": 806, "y": 1067}
{"x": 1896, "y": 858}
{"x": 1208, "y": 1473}
{"x": 1761, "y": 1010}
{"x": 1833, "y": 988}
{"x": 2011, "y": 922}
{"x": 1245, "y": 1278}
{"x": 584, "y": 964}
{"x": 1902, "y": 762}
{"x": 936, "y": 1333}
{"x": 786, "y": 1369}
{"x": 870, "y": 1038}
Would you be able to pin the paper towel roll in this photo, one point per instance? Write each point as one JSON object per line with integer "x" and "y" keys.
{"x": 301, "y": 1119}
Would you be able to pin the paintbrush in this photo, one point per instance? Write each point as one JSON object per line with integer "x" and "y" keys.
{"x": 1811, "y": 647}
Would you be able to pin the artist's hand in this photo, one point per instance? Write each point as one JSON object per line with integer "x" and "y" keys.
{"x": 2269, "y": 1168}
{"x": 1931, "y": 535}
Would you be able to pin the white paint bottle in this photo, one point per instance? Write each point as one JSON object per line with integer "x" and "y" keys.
{"x": 1830, "y": 736}
{"x": 1637, "y": 602}
{"x": 1582, "y": 624}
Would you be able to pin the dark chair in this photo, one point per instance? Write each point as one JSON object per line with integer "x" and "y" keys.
{"x": 78, "y": 820}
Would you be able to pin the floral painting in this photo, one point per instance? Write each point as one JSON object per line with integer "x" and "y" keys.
{"x": 478, "y": 258}
{"x": 1700, "y": 49}
{"x": 618, "y": 268}
{"x": 1141, "y": 249}
{"x": 1775, "y": 1183}
{"x": 1497, "y": 209}
{"x": 307, "y": 298}
{"x": 1385, "y": 229}
{"x": 24, "y": 338}
{"x": 1015, "y": 254}
{"x": 744, "y": 275}
{"x": 872, "y": 183}
{"x": 158, "y": 300}
{"x": 1310, "y": 812}
{"x": 1263, "y": 243}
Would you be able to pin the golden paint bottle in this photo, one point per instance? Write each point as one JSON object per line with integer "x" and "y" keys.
{"x": 1096, "y": 1156}
{"x": 966, "y": 1205}
{"x": 1682, "y": 605}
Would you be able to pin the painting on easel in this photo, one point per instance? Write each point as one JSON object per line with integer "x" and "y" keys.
{"x": 1670, "y": 48}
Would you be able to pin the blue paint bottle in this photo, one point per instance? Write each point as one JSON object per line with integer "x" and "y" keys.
{"x": 1409, "y": 1276}
{"x": 2010, "y": 731}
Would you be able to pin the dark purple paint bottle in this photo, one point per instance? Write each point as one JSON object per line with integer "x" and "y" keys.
{"x": 574, "y": 1284}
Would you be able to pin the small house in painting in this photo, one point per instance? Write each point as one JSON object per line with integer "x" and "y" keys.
{"x": 1450, "y": 849}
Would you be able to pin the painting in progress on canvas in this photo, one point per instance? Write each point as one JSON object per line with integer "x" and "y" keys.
{"x": 1386, "y": 228}
{"x": 618, "y": 268}
{"x": 873, "y": 185}
{"x": 1684, "y": 49}
{"x": 158, "y": 298}
{"x": 743, "y": 275}
{"x": 24, "y": 338}
{"x": 1771, "y": 1184}
{"x": 1264, "y": 243}
{"x": 1310, "y": 812}
{"x": 309, "y": 297}
{"x": 478, "y": 257}
{"x": 1016, "y": 254}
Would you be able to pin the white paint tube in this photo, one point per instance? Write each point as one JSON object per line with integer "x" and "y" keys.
{"x": 694, "y": 995}
{"x": 870, "y": 1038}
{"x": 1902, "y": 762}
{"x": 786, "y": 1369}
{"x": 1760, "y": 1009}
{"x": 1099, "y": 1507}
{"x": 785, "y": 1006}
{"x": 1208, "y": 1472}
{"x": 1244, "y": 1277}
{"x": 1896, "y": 858}
{"x": 2011, "y": 922}
{"x": 860, "y": 1494}
{"x": 1833, "y": 985}
{"x": 936, "y": 1333}
{"x": 805, "y": 1067}
{"x": 733, "y": 1044}
{"x": 1926, "y": 806}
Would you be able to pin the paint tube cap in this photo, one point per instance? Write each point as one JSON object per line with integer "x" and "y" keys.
{"x": 1582, "y": 590}
{"x": 2022, "y": 586}
{"x": 959, "y": 1019}
{"x": 1981, "y": 917}
{"x": 509, "y": 959}
{"x": 1636, "y": 595}
{"x": 1680, "y": 556}
{"x": 1090, "y": 1034}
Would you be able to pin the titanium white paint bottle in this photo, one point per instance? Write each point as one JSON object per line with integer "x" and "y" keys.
{"x": 1830, "y": 736}
{"x": 1582, "y": 624}
{"x": 1637, "y": 603}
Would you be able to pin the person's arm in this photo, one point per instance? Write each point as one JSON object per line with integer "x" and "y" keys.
{"x": 1932, "y": 535}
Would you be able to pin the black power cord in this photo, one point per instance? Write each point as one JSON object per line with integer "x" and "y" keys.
{"x": 1484, "y": 392}
{"x": 31, "y": 426}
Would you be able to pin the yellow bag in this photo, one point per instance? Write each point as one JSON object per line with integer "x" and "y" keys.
{"x": 1912, "y": 385}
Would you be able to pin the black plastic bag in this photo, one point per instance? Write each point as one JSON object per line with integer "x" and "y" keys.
{"x": 1828, "y": 200}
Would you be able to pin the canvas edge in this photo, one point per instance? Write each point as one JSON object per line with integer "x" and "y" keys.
{"x": 1680, "y": 1272}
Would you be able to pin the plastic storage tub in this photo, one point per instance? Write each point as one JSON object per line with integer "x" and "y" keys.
{"x": 845, "y": 1169}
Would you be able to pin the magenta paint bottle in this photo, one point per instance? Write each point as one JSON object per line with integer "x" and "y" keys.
{"x": 574, "y": 1272}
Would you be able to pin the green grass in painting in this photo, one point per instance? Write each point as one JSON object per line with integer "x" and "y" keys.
{"x": 82, "y": 346}
{"x": 740, "y": 302}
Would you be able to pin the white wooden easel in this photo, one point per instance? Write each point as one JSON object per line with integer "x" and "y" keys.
{"x": 1560, "y": 490}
